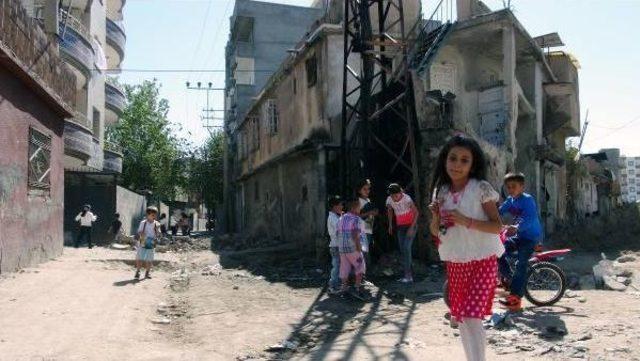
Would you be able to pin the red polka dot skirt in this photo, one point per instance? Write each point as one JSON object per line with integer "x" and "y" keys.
{"x": 472, "y": 286}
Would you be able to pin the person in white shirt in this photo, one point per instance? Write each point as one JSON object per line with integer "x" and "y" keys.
{"x": 86, "y": 219}
{"x": 335, "y": 211}
{"x": 148, "y": 233}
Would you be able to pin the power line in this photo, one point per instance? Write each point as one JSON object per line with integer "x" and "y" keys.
{"x": 625, "y": 125}
{"x": 202, "y": 28}
{"x": 142, "y": 70}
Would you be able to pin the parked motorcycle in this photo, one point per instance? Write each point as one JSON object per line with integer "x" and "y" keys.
{"x": 546, "y": 281}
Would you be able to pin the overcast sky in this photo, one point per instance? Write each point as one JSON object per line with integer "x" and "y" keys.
{"x": 602, "y": 34}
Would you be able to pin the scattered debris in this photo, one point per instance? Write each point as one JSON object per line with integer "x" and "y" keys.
{"x": 161, "y": 321}
{"x": 610, "y": 283}
{"x": 286, "y": 345}
{"x": 212, "y": 270}
{"x": 626, "y": 258}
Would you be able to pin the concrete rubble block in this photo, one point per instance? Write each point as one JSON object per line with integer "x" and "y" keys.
{"x": 610, "y": 283}
{"x": 161, "y": 321}
{"x": 282, "y": 346}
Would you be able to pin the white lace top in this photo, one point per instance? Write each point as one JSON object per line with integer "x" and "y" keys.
{"x": 460, "y": 244}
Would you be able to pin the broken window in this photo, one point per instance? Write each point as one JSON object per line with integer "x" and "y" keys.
{"x": 272, "y": 116}
{"x": 39, "y": 160}
{"x": 312, "y": 72}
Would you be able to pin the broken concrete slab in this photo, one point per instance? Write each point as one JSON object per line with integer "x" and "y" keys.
{"x": 610, "y": 283}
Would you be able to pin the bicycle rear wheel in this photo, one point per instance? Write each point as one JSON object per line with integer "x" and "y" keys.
{"x": 546, "y": 284}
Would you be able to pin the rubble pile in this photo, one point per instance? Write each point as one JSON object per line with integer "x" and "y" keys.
{"x": 181, "y": 244}
{"x": 620, "y": 275}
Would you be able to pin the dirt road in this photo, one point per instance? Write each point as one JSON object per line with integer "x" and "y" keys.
{"x": 83, "y": 306}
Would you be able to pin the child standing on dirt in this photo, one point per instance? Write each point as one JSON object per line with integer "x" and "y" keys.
{"x": 335, "y": 211}
{"x": 524, "y": 234}
{"x": 350, "y": 246}
{"x": 148, "y": 232}
{"x": 465, "y": 219}
{"x": 368, "y": 213}
{"x": 401, "y": 207}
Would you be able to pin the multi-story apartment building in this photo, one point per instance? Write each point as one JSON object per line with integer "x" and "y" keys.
{"x": 630, "y": 179}
{"x": 261, "y": 36}
{"x": 92, "y": 43}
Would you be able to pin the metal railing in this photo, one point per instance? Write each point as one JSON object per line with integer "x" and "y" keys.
{"x": 115, "y": 33}
{"x": 71, "y": 21}
{"x": 82, "y": 120}
{"x": 23, "y": 39}
{"x": 113, "y": 147}
{"x": 432, "y": 31}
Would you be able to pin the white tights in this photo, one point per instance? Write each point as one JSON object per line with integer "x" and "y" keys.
{"x": 474, "y": 339}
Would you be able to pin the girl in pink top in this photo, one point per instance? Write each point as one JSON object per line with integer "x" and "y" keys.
{"x": 401, "y": 207}
{"x": 465, "y": 219}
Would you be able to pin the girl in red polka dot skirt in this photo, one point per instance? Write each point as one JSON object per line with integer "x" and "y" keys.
{"x": 465, "y": 220}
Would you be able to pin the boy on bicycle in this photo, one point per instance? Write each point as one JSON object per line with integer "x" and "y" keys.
{"x": 523, "y": 235}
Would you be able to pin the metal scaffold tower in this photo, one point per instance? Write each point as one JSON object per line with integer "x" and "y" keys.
{"x": 377, "y": 130}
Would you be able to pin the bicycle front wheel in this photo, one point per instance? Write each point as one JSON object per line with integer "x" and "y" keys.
{"x": 546, "y": 284}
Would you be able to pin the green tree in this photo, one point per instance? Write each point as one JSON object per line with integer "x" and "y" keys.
{"x": 205, "y": 171}
{"x": 154, "y": 158}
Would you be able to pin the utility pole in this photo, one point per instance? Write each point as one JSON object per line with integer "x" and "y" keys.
{"x": 206, "y": 111}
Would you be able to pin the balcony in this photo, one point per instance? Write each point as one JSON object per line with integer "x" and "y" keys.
{"x": 78, "y": 139}
{"x": 112, "y": 158}
{"x": 116, "y": 41}
{"x": 76, "y": 44}
{"x": 115, "y": 101}
{"x": 563, "y": 105}
{"x": 114, "y": 9}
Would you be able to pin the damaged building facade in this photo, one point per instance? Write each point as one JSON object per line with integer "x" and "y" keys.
{"x": 480, "y": 74}
{"x": 35, "y": 98}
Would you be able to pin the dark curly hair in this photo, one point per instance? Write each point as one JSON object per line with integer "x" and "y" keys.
{"x": 478, "y": 171}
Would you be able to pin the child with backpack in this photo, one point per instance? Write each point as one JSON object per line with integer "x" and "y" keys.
{"x": 148, "y": 232}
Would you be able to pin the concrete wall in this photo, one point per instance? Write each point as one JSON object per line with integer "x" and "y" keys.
{"x": 31, "y": 221}
{"x": 286, "y": 201}
{"x": 131, "y": 206}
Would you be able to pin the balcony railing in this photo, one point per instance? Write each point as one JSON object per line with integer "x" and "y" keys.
{"x": 114, "y": 96}
{"x": 78, "y": 141}
{"x": 82, "y": 120}
{"x": 116, "y": 36}
{"x": 23, "y": 41}
{"x": 113, "y": 147}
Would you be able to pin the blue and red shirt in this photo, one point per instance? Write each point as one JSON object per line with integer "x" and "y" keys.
{"x": 524, "y": 211}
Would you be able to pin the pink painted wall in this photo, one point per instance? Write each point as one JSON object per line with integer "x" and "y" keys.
{"x": 30, "y": 224}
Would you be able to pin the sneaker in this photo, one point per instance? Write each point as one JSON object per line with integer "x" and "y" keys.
{"x": 367, "y": 283}
{"x": 406, "y": 280}
{"x": 137, "y": 275}
{"x": 513, "y": 303}
{"x": 332, "y": 291}
{"x": 147, "y": 275}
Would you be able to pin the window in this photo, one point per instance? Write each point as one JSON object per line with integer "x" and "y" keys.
{"x": 632, "y": 180}
{"x": 295, "y": 85}
{"x": 39, "y": 160}
{"x": 96, "y": 123}
{"x": 243, "y": 72}
{"x": 272, "y": 116}
{"x": 312, "y": 72}
{"x": 255, "y": 132}
{"x": 243, "y": 29}
{"x": 256, "y": 191}
{"x": 305, "y": 193}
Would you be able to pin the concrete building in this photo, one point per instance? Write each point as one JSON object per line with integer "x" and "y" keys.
{"x": 485, "y": 77}
{"x": 36, "y": 95}
{"x": 261, "y": 34}
{"x": 92, "y": 43}
{"x": 518, "y": 101}
{"x": 630, "y": 179}
{"x": 604, "y": 172}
